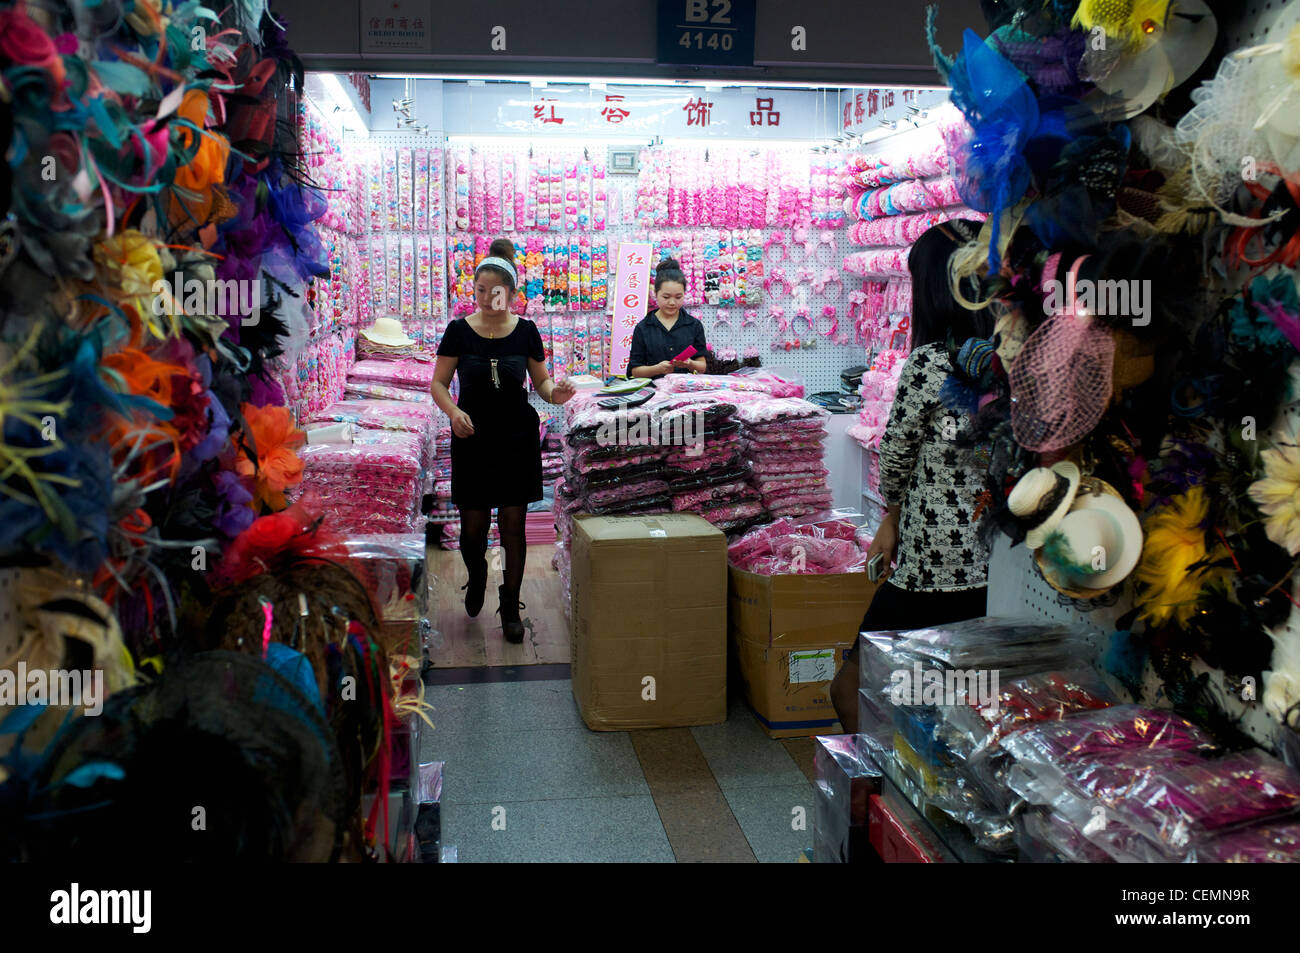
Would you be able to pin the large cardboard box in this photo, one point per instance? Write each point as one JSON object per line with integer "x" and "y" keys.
{"x": 791, "y": 633}
{"x": 649, "y": 615}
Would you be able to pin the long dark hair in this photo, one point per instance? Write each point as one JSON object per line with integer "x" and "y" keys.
{"x": 936, "y": 315}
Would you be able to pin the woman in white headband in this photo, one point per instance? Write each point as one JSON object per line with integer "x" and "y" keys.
{"x": 496, "y": 454}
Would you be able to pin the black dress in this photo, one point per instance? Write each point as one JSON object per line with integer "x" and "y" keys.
{"x": 501, "y": 464}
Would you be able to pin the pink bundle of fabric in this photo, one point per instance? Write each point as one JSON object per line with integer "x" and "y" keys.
{"x": 596, "y": 459}
{"x": 416, "y": 375}
{"x": 774, "y": 487}
{"x": 694, "y": 383}
{"x": 802, "y": 464}
{"x": 712, "y": 495}
{"x": 631, "y": 490}
{"x": 360, "y": 390}
{"x": 783, "y": 548}
{"x": 727, "y": 516}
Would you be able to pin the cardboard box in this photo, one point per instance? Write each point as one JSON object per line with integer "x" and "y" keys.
{"x": 649, "y": 601}
{"x": 791, "y": 633}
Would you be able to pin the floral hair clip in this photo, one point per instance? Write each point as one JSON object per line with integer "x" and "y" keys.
{"x": 723, "y": 319}
{"x": 804, "y": 275}
{"x": 802, "y": 312}
{"x": 750, "y": 352}
{"x": 777, "y": 276}
{"x": 750, "y": 319}
{"x": 778, "y": 315}
{"x": 777, "y": 239}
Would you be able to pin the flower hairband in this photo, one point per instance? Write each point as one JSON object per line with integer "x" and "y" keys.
{"x": 750, "y": 318}
{"x": 802, "y": 312}
{"x": 828, "y": 277}
{"x": 804, "y": 275}
{"x": 830, "y": 312}
{"x": 778, "y": 314}
{"x": 777, "y": 239}
{"x": 723, "y": 318}
{"x": 777, "y": 275}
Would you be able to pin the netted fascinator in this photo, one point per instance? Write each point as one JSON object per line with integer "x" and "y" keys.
{"x": 1061, "y": 379}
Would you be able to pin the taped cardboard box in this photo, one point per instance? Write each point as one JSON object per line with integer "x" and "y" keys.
{"x": 649, "y": 621}
{"x": 791, "y": 633}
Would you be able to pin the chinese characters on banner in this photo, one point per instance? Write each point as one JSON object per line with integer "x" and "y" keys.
{"x": 631, "y": 300}
{"x": 861, "y": 108}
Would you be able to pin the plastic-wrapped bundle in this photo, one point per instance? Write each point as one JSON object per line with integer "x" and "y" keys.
{"x": 406, "y": 372}
{"x": 392, "y": 567}
{"x": 680, "y": 383}
{"x": 367, "y": 390}
{"x": 371, "y": 485}
{"x": 1106, "y": 731}
{"x": 1273, "y": 842}
{"x": 683, "y": 502}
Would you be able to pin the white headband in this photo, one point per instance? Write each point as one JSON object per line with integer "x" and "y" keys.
{"x": 501, "y": 263}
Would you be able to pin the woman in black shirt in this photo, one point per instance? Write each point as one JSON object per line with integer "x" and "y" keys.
{"x": 496, "y": 454}
{"x": 666, "y": 331}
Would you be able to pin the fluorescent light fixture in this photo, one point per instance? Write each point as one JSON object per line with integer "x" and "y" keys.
{"x": 649, "y": 81}
{"x": 344, "y": 109}
{"x": 477, "y": 82}
{"x": 537, "y": 83}
{"x": 600, "y": 85}
{"x": 540, "y": 142}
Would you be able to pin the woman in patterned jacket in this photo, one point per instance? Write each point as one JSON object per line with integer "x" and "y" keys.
{"x": 930, "y": 474}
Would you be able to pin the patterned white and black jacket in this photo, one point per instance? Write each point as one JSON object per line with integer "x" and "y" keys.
{"x": 929, "y": 467}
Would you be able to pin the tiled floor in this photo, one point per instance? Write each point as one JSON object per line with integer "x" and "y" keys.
{"x": 526, "y": 781}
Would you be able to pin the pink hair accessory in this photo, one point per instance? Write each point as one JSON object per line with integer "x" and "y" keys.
{"x": 777, "y": 239}
{"x": 750, "y": 318}
{"x": 804, "y": 275}
{"x": 830, "y": 312}
{"x": 723, "y": 318}
{"x": 778, "y": 314}
{"x": 777, "y": 277}
{"x": 802, "y": 312}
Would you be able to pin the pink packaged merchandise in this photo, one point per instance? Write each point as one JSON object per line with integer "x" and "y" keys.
{"x": 407, "y": 372}
{"x": 1269, "y": 842}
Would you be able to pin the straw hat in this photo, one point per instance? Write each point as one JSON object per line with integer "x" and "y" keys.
{"x": 1101, "y": 522}
{"x": 387, "y": 331}
{"x": 1041, "y": 499}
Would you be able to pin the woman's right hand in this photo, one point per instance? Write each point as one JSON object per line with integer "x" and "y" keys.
{"x": 886, "y": 542}
{"x": 461, "y": 425}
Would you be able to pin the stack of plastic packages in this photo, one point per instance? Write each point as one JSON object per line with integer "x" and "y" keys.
{"x": 846, "y": 779}
{"x": 784, "y": 441}
{"x": 1166, "y": 791}
{"x": 552, "y": 458}
{"x": 920, "y": 688}
{"x": 812, "y": 547}
{"x": 398, "y": 415}
{"x": 705, "y": 466}
{"x": 369, "y": 486}
{"x": 406, "y": 379}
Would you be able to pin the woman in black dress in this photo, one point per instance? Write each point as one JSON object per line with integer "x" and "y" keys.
{"x": 496, "y": 454}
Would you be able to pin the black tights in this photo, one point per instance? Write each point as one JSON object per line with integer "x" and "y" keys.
{"x": 474, "y": 526}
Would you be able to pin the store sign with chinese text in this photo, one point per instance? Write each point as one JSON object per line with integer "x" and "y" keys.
{"x": 862, "y": 110}
{"x": 632, "y": 299}
{"x": 706, "y": 32}
{"x": 396, "y": 26}
{"x": 574, "y": 110}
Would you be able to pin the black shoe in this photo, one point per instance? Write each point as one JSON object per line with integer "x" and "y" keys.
{"x": 511, "y": 627}
{"x": 476, "y": 588}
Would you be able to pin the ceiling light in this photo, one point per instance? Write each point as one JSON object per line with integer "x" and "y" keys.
{"x": 342, "y": 105}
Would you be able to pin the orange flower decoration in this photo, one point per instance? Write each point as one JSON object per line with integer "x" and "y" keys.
{"x": 202, "y": 173}
{"x": 278, "y": 467}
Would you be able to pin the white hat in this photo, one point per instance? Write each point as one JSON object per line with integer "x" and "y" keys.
{"x": 1099, "y": 526}
{"x": 387, "y": 331}
{"x": 1041, "y": 499}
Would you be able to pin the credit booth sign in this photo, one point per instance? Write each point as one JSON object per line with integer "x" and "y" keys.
{"x": 632, "y": 299}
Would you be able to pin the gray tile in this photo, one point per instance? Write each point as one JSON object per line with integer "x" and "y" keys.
{"x": 741, "y": 756}
{"x": 607, "y": 830}
{"x": 517, "y": 706}
{"x": 767, "y": 818}
{"x": 506, "y": 765}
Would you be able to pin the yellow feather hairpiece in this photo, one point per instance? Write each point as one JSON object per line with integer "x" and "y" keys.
{"x": 1175, "y": 542}
{"x": 1129, "y": 21}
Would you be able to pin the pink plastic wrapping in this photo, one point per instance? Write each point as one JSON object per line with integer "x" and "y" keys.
{"x": 371, "y": 486}
{"x": 406, "y": 372}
